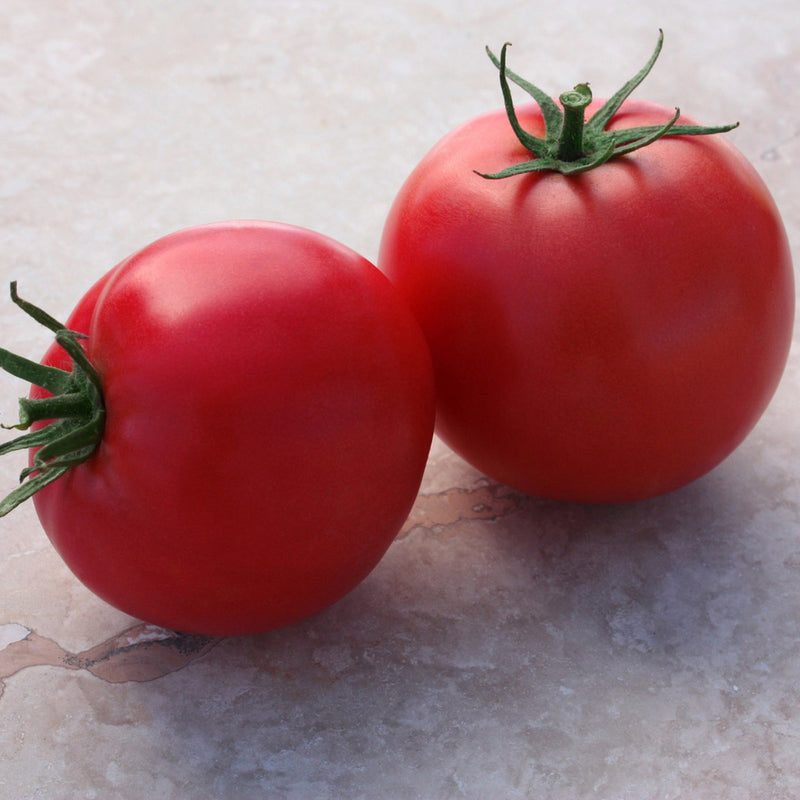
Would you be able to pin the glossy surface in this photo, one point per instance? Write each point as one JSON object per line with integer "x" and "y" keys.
{"x": 603, "y": 337}
{"x": 269, "y": 410}
{"x": 505, "y": 648}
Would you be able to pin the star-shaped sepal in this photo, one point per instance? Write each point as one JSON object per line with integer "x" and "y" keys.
{"x": 571, "y": 144}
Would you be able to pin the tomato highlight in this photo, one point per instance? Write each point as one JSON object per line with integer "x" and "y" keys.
{"x": 258, "y": 413}
{"x": 611, "y": 312}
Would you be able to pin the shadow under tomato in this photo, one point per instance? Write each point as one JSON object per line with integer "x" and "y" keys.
{"x": 673, "y": 579}
{"x": 478, "y": 630}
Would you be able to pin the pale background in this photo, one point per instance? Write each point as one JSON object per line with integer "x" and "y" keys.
{"x": 506, "y": 648}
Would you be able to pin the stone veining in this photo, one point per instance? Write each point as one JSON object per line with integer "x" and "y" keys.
{"x": 147, "y": 652}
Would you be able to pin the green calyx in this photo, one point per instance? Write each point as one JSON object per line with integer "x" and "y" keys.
{"x": 572, "y": 145}
{"x": 74, "y": 409}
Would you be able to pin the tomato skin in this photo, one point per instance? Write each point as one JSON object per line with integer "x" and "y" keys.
{"x": 270, "y": 408}
{"x": 601, "y": 337}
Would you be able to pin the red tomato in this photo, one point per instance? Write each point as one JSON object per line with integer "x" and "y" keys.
{"x": 269, "y": 410}
{"x": 604, "y": 336}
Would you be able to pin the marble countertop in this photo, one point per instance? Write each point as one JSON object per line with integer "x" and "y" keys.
{"x": 506, "y": 648}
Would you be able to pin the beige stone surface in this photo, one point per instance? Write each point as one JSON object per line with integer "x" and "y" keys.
{"x": 506, "y": 648}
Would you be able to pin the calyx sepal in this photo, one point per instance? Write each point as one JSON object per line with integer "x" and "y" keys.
{"x": 74, "y": 408}
{"x": 572, "y": 145}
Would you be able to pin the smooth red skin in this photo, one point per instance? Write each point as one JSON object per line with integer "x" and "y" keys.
{"x": 604, "y": 337}
{"x": 269, "y": 414}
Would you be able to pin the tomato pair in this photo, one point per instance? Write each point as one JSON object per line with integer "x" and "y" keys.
{"x": 243, "y": 411}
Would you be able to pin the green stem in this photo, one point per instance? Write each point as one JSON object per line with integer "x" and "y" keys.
{"x": 73, "y": 404}
{"x": 570, "y": 144}
{"x": 75, "y": 410}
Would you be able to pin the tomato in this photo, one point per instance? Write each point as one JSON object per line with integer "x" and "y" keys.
{"x": 268, "y": 413}
{"x": 602, "y": 336}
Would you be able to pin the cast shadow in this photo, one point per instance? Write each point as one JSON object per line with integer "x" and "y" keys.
{"x": 473, "y": 621}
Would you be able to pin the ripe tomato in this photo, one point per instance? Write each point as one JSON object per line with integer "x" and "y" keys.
{"x": 602, "y": 336}
{"x": 269, "y": 410}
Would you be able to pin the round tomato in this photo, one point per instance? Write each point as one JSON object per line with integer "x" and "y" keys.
{"x": 268, "y": 403}
{"x": 602, "y": 335}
